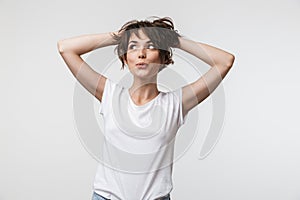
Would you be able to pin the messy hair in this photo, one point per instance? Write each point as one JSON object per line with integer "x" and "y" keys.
{"x": 160, "y": 31}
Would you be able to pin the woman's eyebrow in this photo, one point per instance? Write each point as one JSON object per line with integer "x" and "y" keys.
{"x": 133, "y": 41}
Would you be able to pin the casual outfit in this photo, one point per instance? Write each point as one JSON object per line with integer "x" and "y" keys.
{"x": 138, "y": 145}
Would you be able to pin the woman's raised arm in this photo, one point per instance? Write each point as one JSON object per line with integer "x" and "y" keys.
{"x": 72, "y": 48}
{"x": 220, "y": 62}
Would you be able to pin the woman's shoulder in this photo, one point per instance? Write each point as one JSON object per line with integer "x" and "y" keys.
{"x": 173, "y": 94}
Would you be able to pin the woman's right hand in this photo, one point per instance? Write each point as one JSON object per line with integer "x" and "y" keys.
{"x": 116, "y": 35}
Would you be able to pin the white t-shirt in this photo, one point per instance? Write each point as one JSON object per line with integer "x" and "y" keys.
{"x": 139, "y": 143}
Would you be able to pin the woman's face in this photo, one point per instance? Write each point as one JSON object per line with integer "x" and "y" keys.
{"x": 142, "y": 56}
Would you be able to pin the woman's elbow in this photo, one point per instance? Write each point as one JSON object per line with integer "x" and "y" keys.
{"x": 60, "y": 46}
{"x": 230, "y": 61}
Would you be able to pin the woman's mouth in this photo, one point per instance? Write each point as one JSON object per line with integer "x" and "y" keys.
{"x": 141, "y": 65}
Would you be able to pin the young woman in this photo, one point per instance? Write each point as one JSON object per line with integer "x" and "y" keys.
{"x": 143, "y": 140}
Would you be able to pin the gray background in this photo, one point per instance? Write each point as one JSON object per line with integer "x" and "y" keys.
{"x": 258, "y": 155}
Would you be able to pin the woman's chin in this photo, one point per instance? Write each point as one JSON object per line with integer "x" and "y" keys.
{"x": 144, "y": 73}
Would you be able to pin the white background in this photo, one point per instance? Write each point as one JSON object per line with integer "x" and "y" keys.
{"x": 258, "y": 155}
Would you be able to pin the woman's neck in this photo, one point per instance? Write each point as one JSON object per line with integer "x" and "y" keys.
{"x": 143, "y": 91}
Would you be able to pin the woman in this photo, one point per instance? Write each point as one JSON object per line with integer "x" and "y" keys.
{"x": 144, "y": 142}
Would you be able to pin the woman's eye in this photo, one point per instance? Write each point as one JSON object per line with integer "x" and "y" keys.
{"x": 133, "y": 46}
{"x": 151, "y": 46}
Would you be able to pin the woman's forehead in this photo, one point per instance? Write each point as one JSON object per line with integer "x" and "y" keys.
{"x": 140, "y": 36}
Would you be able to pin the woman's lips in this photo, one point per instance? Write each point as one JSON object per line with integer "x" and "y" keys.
{"x": 141, "y": 65}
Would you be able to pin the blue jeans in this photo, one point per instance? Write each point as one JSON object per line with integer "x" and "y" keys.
{"x": 99, "y": 197}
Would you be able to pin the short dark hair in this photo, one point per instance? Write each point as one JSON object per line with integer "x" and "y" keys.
{"x": 160, "y": 31}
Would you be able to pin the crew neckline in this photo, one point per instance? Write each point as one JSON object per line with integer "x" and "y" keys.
{"x": 145, "y": 104}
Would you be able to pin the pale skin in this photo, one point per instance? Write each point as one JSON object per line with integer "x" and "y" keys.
{"x": 140, "y": 51}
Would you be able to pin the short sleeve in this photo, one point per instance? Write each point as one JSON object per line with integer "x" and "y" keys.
{"x": 108, "y": 88}
{"x": 178, "y": 107}
{"x": 182, "y": 118}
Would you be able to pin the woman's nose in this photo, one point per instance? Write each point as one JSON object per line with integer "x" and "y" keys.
{"x": 142, "y": 53}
